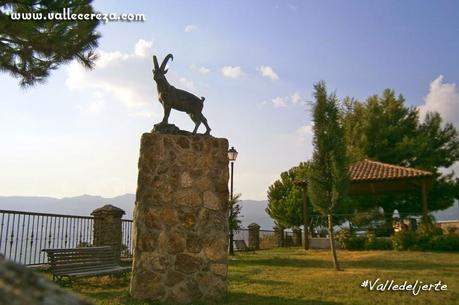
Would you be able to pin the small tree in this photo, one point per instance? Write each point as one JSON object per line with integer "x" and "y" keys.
{"x": 234, "y": 223}
{"x": 328, "y": 175}
{"x": 285, "y": 199}
{"x": 30, "y": 49}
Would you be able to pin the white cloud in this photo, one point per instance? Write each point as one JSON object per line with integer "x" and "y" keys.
{"x": 282, "y": 102}
{"x": 188, "y": 84}
{"x": 232, "y": 72}
{"x": 121, "y": 77}
{"x": 267, "y": 71}
{"x": 443, "y": 98}
{"x": 295, "y": 98}
{"x": 304, "y": 134}
{"x": 142, "y": 47}
{"x": 279, "y": 102}
{"x": 190, "y": 28}
{"x": 204, "y": 70}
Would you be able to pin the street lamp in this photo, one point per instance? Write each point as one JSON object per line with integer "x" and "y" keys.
{"x": 232, "y": 155}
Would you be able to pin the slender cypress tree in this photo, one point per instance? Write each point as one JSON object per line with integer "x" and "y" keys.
{"x": 328, "y": 175}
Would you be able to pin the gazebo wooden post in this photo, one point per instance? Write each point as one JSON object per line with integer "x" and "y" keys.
{"x": 305, "y": 217}
{"x": 425, "y": 210}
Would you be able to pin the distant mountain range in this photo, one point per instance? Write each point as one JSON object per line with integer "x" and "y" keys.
{"x": 252, "y": 210}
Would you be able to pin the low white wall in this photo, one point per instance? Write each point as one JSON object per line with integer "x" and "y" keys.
{"x": 321, "y": 243}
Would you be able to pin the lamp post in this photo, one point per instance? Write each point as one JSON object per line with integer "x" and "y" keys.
{"x": 232, "y": 155}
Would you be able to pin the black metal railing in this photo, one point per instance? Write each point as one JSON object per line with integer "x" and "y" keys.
{"x": 126, "y": 238}
{"x": 24, "y": 234}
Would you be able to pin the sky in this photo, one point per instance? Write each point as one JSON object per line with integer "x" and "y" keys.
{"x": 255, "y": 62}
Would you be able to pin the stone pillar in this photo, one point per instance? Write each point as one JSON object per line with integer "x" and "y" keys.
{"x": 107, "y": 227}
{"x": 279, "y": 232}
{"x": 254, "y": 236}
{"x": 297, "y": 238}
{"x": 180, "y": 229}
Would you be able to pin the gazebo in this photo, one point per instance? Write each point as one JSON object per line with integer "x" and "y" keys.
{"x": 372, "y": 177}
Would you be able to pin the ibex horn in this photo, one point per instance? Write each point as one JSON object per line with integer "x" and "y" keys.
{"x": 166, "y": 59}
{"x": 155, "y": 61}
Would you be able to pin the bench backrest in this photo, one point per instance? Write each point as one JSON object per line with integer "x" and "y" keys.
{"x": 81, "y": 259}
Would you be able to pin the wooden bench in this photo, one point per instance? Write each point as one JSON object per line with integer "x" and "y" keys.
{"x": 83, "y": 262}
{"x": 242, "y": 246}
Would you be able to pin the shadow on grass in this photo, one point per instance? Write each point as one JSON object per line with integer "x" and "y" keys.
{"x": 235, "y": 298}
{"x": 239, "y": 278}
{"x": 365, "y": 263}
{"x": 254, "y": 299}
{"x": 397, "y": 264}
{"x": 283, "y": 262}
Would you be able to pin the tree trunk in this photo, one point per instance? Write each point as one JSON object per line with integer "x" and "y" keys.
{"x": 231, "y": 242}
{"x": 306, "y": 219}
{"x": 332, "y": 242}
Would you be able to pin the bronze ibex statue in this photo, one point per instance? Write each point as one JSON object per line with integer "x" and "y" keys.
{"x": 173, "y": 98}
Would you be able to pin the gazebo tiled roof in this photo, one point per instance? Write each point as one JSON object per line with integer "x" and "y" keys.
{"x": 367, "y": 170}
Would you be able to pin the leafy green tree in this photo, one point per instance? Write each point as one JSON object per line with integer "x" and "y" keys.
{"x": 384, "y": 129}
{"x": 328, "y": 175}
{"x": 285, "y": 199}
{"x": 30, "y": 49}
{"x": 234, "y": 223}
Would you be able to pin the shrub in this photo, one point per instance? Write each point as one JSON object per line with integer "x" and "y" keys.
{"x": 404, "y": 240}
{"x": 431, "y": 240}
{"x": 355, "y": 243}
{"x": 374, "y": 243}
{"x": 448, "y": 242}
{"x": 349, "y": 241}
{"x": 453, "y": 230}
{"x": 368, "y": 242}
{"x": 384, "y": 231}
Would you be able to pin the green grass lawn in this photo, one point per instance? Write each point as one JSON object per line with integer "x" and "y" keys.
{"x": 296, "y": 277}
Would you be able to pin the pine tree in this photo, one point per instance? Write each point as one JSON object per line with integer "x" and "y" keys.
{"x": 30, "y": 49}
{"x": 328, "y": 175}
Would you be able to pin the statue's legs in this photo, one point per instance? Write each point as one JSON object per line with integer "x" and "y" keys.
{"x": 196, "y": 121}
{"x": 204, "y": 121}
{"x": 167, "y": 112}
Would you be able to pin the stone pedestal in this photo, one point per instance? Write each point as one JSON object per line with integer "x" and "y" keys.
{"x": 180, "y": 229}
{"x": 107, "y": 227}
{"x": 254, "y": 236}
